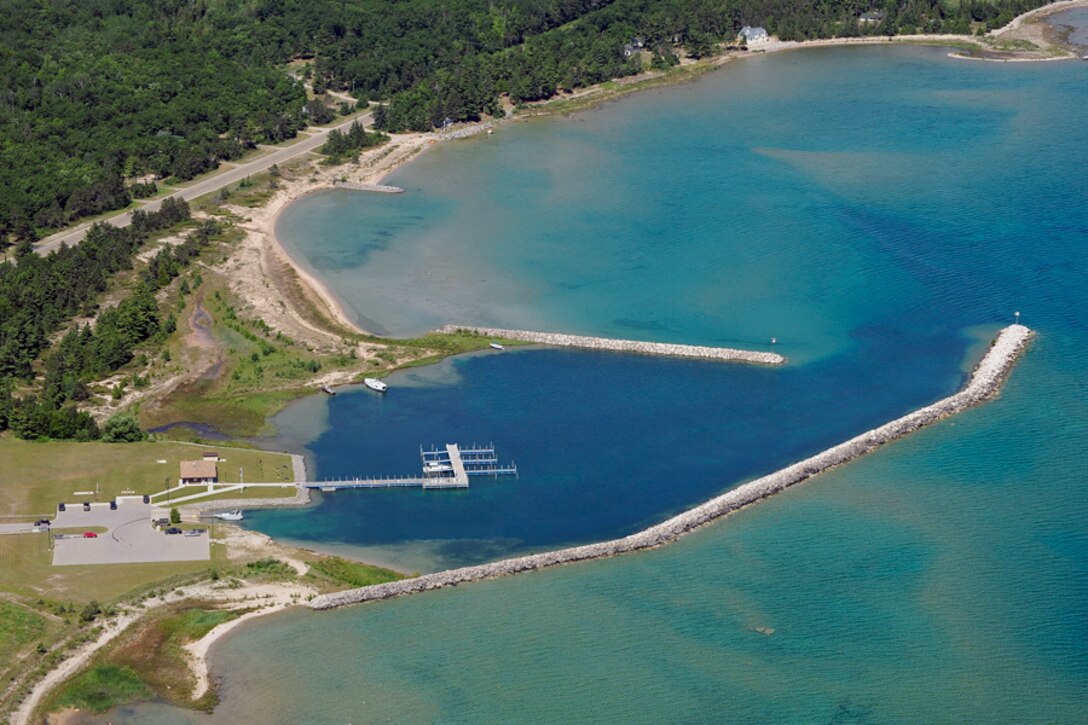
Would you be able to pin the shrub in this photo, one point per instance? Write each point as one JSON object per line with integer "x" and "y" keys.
{"x": 122, "y": 428}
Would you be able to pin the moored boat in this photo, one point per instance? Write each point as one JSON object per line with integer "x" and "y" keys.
{"x": 327, "y": 390}
{"x": 375, "y": 384}
{"x": 496, "y": 346}
{"x": 235, "y": 515}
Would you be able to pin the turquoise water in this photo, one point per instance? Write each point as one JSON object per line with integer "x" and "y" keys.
{"x": 880, "y": 211}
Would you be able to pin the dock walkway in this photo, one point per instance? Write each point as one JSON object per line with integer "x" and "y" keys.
{"x": 448, "y": 467}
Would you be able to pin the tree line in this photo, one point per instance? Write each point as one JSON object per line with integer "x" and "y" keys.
{"x": 39, "y": 294}
{"x": 594, "y": 49}
{"x": 340, "y": 147}
{"x": 99, "y": 99}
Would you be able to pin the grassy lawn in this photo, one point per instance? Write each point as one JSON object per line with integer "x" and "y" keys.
{"x": 39, "y": 475}
{"x": 21, "y": 627}
{"x": 249, "y": 492}
{"x": 26, "y": 569}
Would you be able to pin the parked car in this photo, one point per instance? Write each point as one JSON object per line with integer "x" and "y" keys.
{"x": 60, "y": 507}
{"x": 147, "y": 499}
{"x": 173, "y": 530}
{"x": 86, "y": 506}
{"x": 194, "y": 532}
{"x": 90, "y": 535}
{"x": 41, "y": 522}
{"x": 113, "y": 505}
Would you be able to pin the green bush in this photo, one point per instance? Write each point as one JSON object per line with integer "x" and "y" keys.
{"x": 122, "y": 428}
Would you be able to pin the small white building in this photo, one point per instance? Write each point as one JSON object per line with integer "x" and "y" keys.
{"x": 754, "y": 36}
{"x": 198, "y": 473}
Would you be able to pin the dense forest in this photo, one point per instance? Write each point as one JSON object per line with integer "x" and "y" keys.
{"x": 39, "y": 294}
{"x": 98, "y": 98}
{"x": 101, "y": 99}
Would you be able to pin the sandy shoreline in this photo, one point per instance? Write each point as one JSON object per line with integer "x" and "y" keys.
{"x": 262, "y": 249}
{"x": 269, "y": 597}
{"x": 377, "y": 164}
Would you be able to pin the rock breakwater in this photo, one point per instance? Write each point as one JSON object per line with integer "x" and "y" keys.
{"x": 379, "y": 188}
{"x": 985, "y": 382}
{"x": 727, "y": 354}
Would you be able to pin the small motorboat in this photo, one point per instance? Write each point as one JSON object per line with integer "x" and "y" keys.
{"x": 235, "y": 515}
{"x": 497, "y": 346}
{"x": 327, "y": 390}
{"x": 375, "y": 384}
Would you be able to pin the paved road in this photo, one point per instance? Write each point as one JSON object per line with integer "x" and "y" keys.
{"x": 213, "y": 183}
{"x": 130, "y": 538}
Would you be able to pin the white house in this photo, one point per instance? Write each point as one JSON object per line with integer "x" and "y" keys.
{"x": 198, "y": 473}
{"x": 754, "y": 36}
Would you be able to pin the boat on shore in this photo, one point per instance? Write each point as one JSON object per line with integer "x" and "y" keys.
{"x": 235, "y": 515}
{"x": 375, "y": 384}
{"x": 327, "y": 390}
{"x": 497, "y": 346}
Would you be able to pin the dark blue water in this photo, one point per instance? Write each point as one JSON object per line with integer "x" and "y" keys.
{"x": 606, "y": 444}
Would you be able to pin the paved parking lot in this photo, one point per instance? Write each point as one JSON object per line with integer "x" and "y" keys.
{"x": 129, "y": 540}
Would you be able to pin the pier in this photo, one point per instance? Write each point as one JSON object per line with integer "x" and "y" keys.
{"x": 724, "y": 354}
{"x": 450, "y": 466}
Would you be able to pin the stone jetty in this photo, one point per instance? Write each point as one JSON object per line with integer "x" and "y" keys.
{"x": 726, "y": 354}
{"x": 379, "y": 188}
{"x": 985, "y": 382}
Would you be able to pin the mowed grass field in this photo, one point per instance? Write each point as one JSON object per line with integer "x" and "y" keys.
{"x": 34, "y": 477}
{"x": 26, "y": 570}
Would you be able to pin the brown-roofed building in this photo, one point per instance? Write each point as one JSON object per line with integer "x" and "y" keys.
{"x": 199, "y": 473}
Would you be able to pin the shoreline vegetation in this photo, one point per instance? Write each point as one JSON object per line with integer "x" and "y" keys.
{"x": 279, "y": 292}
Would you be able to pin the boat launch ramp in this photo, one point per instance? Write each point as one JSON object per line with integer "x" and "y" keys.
{"x": 450, "y": 466}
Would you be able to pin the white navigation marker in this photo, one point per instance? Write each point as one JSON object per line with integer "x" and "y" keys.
{"x": 1017, "y": 314}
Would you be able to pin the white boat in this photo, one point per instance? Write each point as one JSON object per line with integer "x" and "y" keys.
{"x": 496, "y": 346}
{"x": 235, "y": 515}
{"x": 375, "y": 384}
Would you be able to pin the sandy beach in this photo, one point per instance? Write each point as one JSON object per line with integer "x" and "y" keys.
{"x": 263, "y": 257}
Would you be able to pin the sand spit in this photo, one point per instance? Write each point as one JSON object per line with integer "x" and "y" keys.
{"x": 985, "y": 383}
{"x": 629, "y": 346}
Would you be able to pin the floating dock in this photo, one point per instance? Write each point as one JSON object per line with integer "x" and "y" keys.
{"x": 450, "y": 466}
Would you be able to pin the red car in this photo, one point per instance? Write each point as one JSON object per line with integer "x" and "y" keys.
{"x": 90, "y": 535}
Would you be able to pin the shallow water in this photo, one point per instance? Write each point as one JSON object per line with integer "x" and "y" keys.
{"x": 1076, "y": 20}
{"x": 881, "y": 211}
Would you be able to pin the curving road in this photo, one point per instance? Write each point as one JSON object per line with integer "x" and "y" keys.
{"x": 213, "y": 183}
